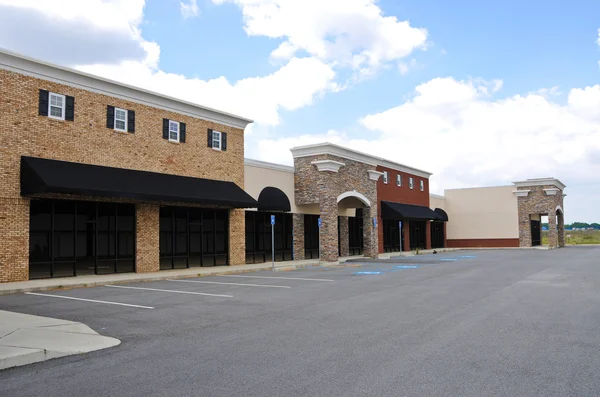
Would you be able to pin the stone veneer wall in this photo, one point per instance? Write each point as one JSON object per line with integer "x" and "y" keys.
{"x": 323, "y": 187}
{"x": 344, "y": 236}
{"x": 537, "y": 202}
{"x": 298, "y": 231}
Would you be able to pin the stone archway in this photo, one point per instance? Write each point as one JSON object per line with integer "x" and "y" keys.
{"x": 539, "y": 197}
{"x": 328, "y": 179}
{"x": 352, "y": 207}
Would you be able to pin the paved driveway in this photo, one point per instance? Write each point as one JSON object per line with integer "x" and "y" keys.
{"x": 481, "y": 323}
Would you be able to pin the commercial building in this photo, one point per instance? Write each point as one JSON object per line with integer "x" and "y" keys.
{"x": 100, "y": 177}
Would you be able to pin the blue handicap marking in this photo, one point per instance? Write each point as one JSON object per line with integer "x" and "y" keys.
{"x": 366, "y": 273}
{"x": 407, "y": 267}
{"x": 449, "y": 259}
{"x": 468, "y": 256}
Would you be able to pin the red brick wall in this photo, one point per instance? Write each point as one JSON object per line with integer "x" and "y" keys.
{"x": 400, "y": 194}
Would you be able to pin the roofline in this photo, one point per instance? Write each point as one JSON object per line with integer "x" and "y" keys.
{"x": 437, "y": 196}
{"x": 541, "y": 182}
{"x": 269, "y": 166}
{"x": 344, "y": 152}
{"x": 22, "y": 64}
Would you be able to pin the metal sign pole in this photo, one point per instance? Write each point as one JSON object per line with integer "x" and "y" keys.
{"x": 320, "y": 223}
{"x": 273, "y": 241}
{"x": 400, "y": 234}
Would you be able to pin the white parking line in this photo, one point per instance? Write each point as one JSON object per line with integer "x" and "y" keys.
{"x": 241, "y": 284}
{"x": 90, "y": 300}
{"x": 279, "y": 278}
{"x": 170, "y": 290}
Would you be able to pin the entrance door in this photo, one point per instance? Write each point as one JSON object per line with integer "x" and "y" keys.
{"x": 536, "y": 233}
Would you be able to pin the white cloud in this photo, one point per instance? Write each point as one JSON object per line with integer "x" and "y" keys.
{"x": 72, "y": 31}
{"x": 189, "y": 9}
{"x": 83, "y": 35}
{"x": 293, "y": 86}
{"x": 345, "y": 33}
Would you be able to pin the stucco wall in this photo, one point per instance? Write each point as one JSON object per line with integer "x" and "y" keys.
{"x": 437, "y": 202}
{"x": 482, "y": 213}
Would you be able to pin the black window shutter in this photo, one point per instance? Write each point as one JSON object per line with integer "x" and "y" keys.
{"x": 70, "y": 108}
{"x": 110, "y": 117}
{"x": 223, "y": 141}
{"x": 209, "y": 135}
{"x": 43, "y": 106}
{"x": 165, "y": 128}
{"x": 182, "y": 132}
{"x": 130, "y": 121}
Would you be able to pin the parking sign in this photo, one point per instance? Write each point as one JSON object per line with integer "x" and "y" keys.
{"x": 272, "y": 219}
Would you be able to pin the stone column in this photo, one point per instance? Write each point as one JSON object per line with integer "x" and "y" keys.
{"x": 427, "y": 235}
{"x": 553, "y": 232}
{"x": 298, "y": 236}
{"x": 370, "y": 240}
{"x": 524, "y": 230}
{"x": 237, "y": 237}
{"x": 147, "y": 256}
{"x": 14, "y": 244}
{"x": 344, "y": 236}
{"x": 329, "y": 230}
{"x": 561, "y": 230}
{"x": 406, "y": 227}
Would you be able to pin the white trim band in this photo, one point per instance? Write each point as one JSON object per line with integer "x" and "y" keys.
{"x": 328, "y": 165}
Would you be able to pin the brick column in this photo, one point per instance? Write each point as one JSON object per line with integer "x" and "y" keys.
{"x": 329, "y": 230}
{"x": 344, "y": 236}
{"x": 147, "y": 256}
{"x": 370, "y": 240}
{"x": 298, "y": 236}
{"x": 237, "y": 237}
{"x": 427, "y": 235}
{"x": 406, "y": 227}
{"x": 552, "y": 229}
{"x": 14, "y": 244}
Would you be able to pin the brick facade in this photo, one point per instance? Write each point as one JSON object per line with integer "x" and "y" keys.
{"x": 324, "y": 187}
{"x": 88, "y": 140}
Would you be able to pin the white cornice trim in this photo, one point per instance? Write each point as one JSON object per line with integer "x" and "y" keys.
{"x": 521, "y": 193}
{"x": 552, "y": 191}
{"x": 374, "y": 175}
{"x": 343, "y": 152}
{"x": 328, "y": 165}
{"x": 269, "y": 166}
{"x": 46, "y": 71}
{"x": 355, "y": 194}
{"x": 437, "y": 196}
{"x": 541, "y": 182}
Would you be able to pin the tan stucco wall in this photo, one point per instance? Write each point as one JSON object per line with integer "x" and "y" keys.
{"x": 482, "y": 213}
{"x": 437, "y": 202}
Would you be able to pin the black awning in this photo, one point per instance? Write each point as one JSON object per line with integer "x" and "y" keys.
{"x": 399, "y": 211}
{"x": 442, "y": 214}
{"x": 273, "y": 199}
{"x": 42, "y": 176}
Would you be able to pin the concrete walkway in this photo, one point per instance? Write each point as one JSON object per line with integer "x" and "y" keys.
{"x": 26, "y": 339}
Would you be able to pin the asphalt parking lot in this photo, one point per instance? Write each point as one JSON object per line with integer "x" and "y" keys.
{"x": 467, "y": 323}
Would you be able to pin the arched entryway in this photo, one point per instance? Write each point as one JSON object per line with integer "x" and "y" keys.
{"x": 351, "y": 223}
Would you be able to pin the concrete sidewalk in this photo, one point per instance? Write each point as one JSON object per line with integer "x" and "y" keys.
{"x": 96, "y": 280}
{"x": 26, "y": 339}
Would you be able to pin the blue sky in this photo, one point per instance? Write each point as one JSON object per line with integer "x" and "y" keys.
{"x": 477, "y": 92}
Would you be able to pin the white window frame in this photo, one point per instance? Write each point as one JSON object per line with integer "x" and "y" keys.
{"x": 115, "y": 120}
{"x": 399, "y": 180}
{"x": 216, "y": 134}
{"x": 411, "y": 183}
{"x": 63, "y": 107}
{"x": 422, "y": 185}
{"x": 178, "y": 131}
{"x": 385, "y": 177}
